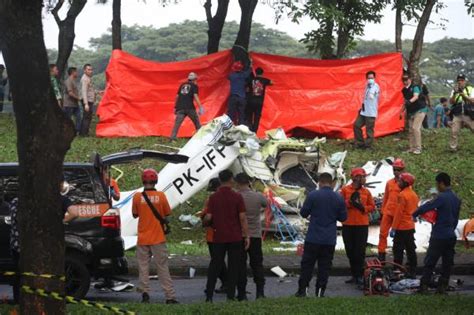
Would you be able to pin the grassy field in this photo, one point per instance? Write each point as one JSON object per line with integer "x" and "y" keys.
{"x": 435, "y": 158}
{"x": 364, "y": 305}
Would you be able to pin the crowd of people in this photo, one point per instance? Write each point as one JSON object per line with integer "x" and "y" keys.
{"x": 231, "y": 216}
{"x": 454, "y": 113}
{"x": 245, "y": 104}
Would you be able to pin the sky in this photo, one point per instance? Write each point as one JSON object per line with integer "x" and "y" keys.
{"x": 95, "y": 20}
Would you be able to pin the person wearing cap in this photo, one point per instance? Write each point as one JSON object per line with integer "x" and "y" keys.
{"x": 237, "y": 102}
{"x": 415, "y": 107}
{"x": 212, "y": 187}
{"x": 368, "y": 113}
{"x": 443, "y": 237}
{"x": 440, "y": 110}
{"x": 3, "y": 83}
{"x": 389, "y": 205}
{"x": 462, "y": 100}
{"x": 184, "y": 104}
{"x": 403, "y": 227}
{"x": 255, "y": 203}
{"x": 324, "y": 207}
{"x": 355, "y": 229}
{"x": 149, "y": 206}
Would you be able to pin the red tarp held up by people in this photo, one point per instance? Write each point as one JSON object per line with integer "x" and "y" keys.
{"x": 308, "y": 96}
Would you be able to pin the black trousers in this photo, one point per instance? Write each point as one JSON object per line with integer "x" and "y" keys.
{"x": 253, "y": 112}
{"x": 236, "y": 109}
{"x": 255, "y": 254}
{"x": 355, "y": 242}
{"x": 86, "y": 119}
{"x": 404, "y": 241}
{"x": 223, "y": 273}
{"x": 323, "y": 254}
{"x": 439, "y": 248}
{"x": 234, "y": 256}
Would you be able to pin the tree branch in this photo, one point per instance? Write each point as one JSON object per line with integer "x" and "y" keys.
{"x": 55, "y": 11}
{"x": 207, "y": 7}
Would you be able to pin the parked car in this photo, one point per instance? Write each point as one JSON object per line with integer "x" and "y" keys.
{"x": 94, "y": 246}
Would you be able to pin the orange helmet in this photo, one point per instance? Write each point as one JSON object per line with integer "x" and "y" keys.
{"x": 398, "y": 163}
{"x": 149, "y": 175}
{"x": 407, "y": 178}
{"x": 358, "y": 171}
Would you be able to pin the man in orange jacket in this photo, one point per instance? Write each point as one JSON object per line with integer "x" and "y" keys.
{"x": 389, "y": 205}
{"x": 355, "y": 229}
{"x": 403, "y": 227}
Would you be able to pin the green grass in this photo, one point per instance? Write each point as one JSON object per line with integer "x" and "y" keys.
{"x": 456, "y": 304}
{"x": 435, "y": 158}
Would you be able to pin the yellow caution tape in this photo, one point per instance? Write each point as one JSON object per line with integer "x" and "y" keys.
{"x": 32, "y": 274}
{"x": 72, "y": 300}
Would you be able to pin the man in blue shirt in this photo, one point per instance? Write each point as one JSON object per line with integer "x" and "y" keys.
{"x": 324, "y": 207}
{"x": 368, "y": 113}
{"x": 440, "y": 118}
{"x": 238, "y": 82}
{"x": 443, "y": 239}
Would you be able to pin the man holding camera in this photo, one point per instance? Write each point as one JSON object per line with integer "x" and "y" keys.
{"x": 462, "y": 99}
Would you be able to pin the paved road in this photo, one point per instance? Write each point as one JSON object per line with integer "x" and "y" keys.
{"x": 192, "y": 290}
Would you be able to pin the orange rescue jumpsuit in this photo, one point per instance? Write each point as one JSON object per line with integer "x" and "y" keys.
{"x": 389, "y": 205}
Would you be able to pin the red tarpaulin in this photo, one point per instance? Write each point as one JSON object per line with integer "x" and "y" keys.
{"x": 309, "y": 96}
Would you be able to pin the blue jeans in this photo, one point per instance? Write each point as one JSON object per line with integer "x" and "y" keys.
{"x": 76, "y": 113}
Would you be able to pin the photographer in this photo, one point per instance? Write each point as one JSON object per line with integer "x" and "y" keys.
{"x": 462, "y": 99}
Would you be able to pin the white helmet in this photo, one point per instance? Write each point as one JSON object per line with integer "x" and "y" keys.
{"x": 192, "y": 76}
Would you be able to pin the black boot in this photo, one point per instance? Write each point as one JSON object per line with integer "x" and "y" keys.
{"x": 424, "y": 286}
{"x": 442, "y": 286}
{"x": 382, "y": 257}
{"x": 145, "y": 297}
{"x": 320, "y": 291}
{"x": 260, "y": 292}
{"x": 301, "y": 292}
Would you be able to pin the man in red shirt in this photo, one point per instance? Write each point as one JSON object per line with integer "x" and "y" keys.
{"x": 389, "y": 205}
{"x": 355, "y": 229}
{"x": 403, "y": 227}
{"x": 151, "y": 236}
{"x": 226, "y": 214}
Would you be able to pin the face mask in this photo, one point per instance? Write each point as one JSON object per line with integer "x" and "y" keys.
{"x": 371, "y": 81}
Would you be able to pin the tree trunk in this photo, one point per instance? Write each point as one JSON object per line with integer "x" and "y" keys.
{"x": 415, "y": 54}
{"x": 241, "y": 45}
{"x": 215, "y": 24}
{"x": 398, "y": 26}
{"x": 66, "y": 32}
{"x": 116, "y": 25}
{"x": 343, "y": 36}
{"x": 43, "y": 138}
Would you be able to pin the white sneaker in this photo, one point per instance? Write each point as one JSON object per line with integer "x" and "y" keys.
{"x": 417, "y": 152}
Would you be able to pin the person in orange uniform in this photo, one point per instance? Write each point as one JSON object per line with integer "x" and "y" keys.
{"x": 114, "y": 190}
{"x": 390, "y": 199}
{"x": 214, "y": 183}
{"x": 403, "y": 227}
{"x": 151, "y": 208}
{"x": 355, "y": 229}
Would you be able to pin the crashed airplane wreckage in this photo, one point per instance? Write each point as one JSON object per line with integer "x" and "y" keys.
{"x": 284, "y": 169}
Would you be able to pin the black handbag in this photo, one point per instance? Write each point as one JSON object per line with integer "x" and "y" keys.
{"x": 163, "y": 221}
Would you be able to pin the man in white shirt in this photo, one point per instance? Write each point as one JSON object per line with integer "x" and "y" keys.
{"x": 368, "y": 113}
{"x": 88, "y": 96}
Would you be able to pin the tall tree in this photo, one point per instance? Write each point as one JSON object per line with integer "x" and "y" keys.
{"x": 418, "y": 11}
{"x": 215, "y": 24}
{"x": 116, "y": 25}
{"x": 339, "y": 22}
{"x": 241, "y": 45}
{"x": 43, "y": 138}
{"x": 66, "y": 30}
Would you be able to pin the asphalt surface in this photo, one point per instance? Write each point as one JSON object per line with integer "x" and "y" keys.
{"x": 192, "y": 290}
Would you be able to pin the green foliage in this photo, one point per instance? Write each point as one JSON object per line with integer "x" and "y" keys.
{"x": 413, "y": 304}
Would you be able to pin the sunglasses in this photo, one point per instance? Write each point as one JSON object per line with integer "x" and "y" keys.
{"x": 405, "y": 79}
{"x": 398, "y": 169}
